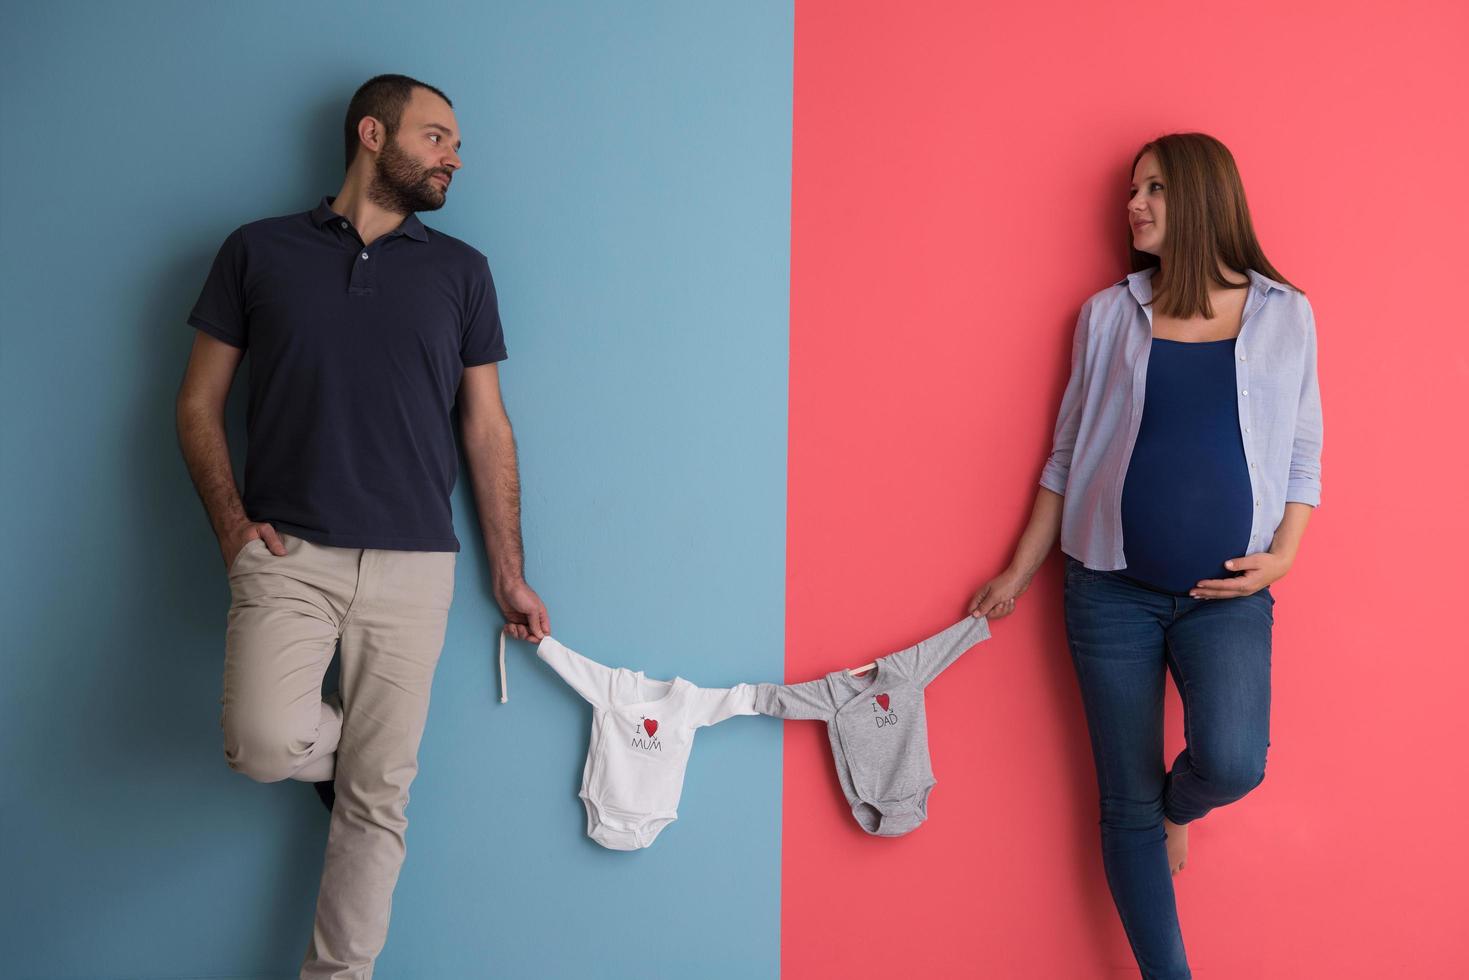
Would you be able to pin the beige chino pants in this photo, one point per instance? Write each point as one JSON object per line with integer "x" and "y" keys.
{"x": 287, "y": 613}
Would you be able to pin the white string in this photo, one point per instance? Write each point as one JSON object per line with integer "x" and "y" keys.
{"x": 504, "y": 691}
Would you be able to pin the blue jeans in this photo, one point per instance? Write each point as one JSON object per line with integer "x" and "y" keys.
{"x": 1123, "y": 635}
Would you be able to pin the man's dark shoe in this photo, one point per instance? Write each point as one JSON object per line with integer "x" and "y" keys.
{"x": 327, "y": 790}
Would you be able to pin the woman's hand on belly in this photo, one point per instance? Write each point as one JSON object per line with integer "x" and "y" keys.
{"x": 1257, "y": 571}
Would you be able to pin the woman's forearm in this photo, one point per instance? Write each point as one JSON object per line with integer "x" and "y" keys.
{"x": 1292, "y": 529}
{"x": 1040, "y": 534}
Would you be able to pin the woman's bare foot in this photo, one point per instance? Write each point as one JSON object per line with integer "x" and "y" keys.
{"x": 1177, "y": 844}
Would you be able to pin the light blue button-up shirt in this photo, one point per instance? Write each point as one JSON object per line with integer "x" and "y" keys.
{"x": 1275, "y": 392}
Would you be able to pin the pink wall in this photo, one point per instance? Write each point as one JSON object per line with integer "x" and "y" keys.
{"x": 959, "y": 176}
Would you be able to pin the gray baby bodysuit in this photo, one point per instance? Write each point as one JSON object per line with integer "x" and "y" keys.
{"x": 878, "y": 727}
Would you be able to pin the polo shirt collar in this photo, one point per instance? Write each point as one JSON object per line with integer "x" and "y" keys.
{"x": 411, "y": 226}
{"x": 1140, "y": 283}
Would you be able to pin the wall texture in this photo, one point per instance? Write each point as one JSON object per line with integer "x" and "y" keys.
{"x": 627, "y": 171}
{"x": 960, "y": 173}
{"x": 788, "y": 293}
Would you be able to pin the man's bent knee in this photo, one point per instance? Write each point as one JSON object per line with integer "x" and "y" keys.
{"x": 264, "y": 755}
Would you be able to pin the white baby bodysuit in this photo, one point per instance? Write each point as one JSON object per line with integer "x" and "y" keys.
{"x": 642, "y": 731}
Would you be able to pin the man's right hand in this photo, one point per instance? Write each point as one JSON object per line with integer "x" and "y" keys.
{"x": 233, "y": 541}
{"x": 525, "y": 614}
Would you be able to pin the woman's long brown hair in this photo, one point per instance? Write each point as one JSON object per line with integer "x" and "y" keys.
{"x": 1206, "y": 221}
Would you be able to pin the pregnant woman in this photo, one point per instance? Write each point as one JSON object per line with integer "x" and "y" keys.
{"x": 1185, "y": 465}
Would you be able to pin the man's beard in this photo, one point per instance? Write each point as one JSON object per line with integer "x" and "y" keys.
{"x": 400, "y": 185}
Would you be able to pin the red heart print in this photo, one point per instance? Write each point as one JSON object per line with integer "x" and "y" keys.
{"x": 651, "y": 725}
{"x": 882, "y": 701}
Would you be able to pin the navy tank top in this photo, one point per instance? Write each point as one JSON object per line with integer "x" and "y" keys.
{"x": 1186, "y": 500}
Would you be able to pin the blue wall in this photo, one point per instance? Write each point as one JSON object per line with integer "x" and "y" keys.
{"x": 627, "y": 170}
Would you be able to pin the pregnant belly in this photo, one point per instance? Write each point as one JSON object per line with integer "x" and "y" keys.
{"x": 1183, "y": 515}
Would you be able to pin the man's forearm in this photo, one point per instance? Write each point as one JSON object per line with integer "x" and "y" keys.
{"x": 207, "y": 455}
{"x": 495, "y": 478}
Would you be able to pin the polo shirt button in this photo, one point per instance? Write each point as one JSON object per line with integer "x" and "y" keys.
{"x": 1246, "y": 392}
{"x": 364, "y": 255}
{"x": 1241, "y": 357}
{"x": 1247, "y": 428}
{"x": 1257, "y": 503}
{"x": 344, "y": 224}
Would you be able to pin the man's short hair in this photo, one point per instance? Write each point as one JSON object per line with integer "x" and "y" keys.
{"x": 383, "y": 98}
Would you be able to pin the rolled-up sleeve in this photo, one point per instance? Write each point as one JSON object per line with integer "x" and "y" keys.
{"x": 1304, "y": 484}
{"x": 1068, "y": 419}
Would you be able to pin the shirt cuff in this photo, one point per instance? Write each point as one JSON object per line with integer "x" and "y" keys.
{"x": 1302, "y": 493}
{"x": 1054, "y": 480}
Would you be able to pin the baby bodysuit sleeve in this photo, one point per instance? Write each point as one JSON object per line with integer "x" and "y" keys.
{"x": 711, "y": 705}
{"x": 593, "y": 681}
{"x": 928, "y": 658}
{"x": 811, "y": 700}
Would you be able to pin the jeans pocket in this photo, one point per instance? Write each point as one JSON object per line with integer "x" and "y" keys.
{"x": 1078, "y": 572}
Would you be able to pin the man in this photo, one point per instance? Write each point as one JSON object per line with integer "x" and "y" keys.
{"x": 366, "y": 327}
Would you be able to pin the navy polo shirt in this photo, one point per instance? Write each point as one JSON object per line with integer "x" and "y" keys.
{"x": 356, "y": 353}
